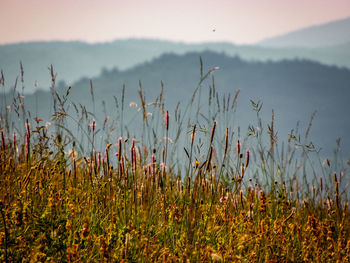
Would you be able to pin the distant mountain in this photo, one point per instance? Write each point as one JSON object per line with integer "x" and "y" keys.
{"x": 74, "y": 60}
{"x": 324, "y": 35}
{"x": 293, "y": 88}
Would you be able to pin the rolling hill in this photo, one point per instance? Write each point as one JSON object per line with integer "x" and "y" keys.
{"x": 334, "y": 33}
{"x": 293, "y": 88}
{"x": 74, "y": 60}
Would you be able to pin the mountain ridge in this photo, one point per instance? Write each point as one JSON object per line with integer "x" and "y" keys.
{"x": 294, "y": 88}
{"x": 322, "y": 35}
{"x": 75, "y": 60}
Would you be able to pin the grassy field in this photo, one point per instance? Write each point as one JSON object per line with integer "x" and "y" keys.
{"x": 231, "y": 198}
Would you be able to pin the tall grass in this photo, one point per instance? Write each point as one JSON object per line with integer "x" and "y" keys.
{"x": 191, "y": 187}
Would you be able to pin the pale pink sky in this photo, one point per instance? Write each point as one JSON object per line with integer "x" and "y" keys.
{"x": 238, "y": 21}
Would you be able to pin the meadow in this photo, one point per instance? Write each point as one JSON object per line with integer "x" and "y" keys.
{"x": 176, "y": 185}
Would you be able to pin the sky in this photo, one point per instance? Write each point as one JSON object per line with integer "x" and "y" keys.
{"x": 191, "y": 21}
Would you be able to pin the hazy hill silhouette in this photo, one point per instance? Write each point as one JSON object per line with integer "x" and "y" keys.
{"x": 293, "y": 88}
{"x": 329, "y": 34}
{"x": 74, "y": 60}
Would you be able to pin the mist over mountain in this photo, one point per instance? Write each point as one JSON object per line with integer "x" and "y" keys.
{"x": 334, "y": 33}
{"x": 293, "y": 88}
{"x": 74, "y": 60}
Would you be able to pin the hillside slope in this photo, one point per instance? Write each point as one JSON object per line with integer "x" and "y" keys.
{"x": 330, "y": 34}
{"x": 294, "y": 89}
{"x": 74, "y": 60}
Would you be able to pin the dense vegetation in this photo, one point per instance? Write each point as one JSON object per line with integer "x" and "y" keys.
{"x": 233, "y": 197}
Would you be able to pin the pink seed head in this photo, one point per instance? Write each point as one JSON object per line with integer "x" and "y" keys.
{"x": 242, "y": 170}
{"x": 99, "y": 159}
{"x": 2, "y": 138}
{"x": 14, "y": 141}
{"x": 27, "y": 127}
{"x": 93, "y": 126}
{"x": 167, "y": 120}
{"x": 247, "y": 158}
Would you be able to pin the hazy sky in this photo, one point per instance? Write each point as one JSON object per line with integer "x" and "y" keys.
{"x": 239, "y": 21}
